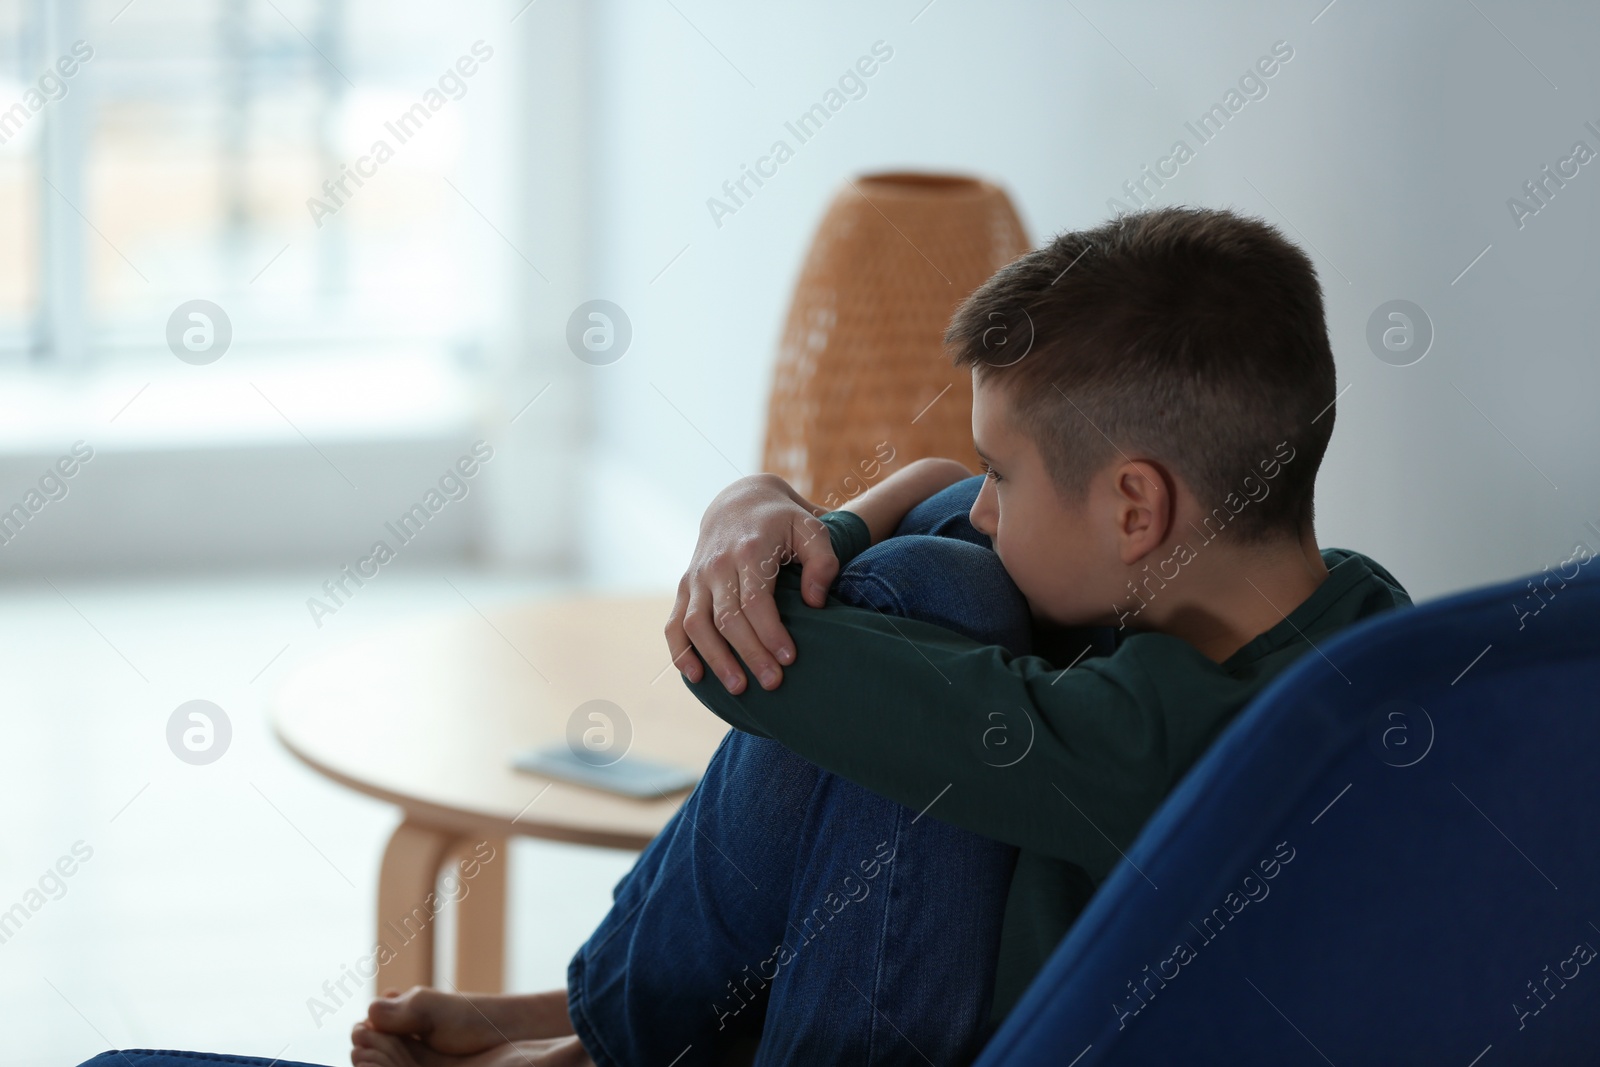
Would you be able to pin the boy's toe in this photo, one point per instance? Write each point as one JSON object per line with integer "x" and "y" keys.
{"x": 405, "y": 1013}
{"x": 384, "y": 1051}
{"x": 361, "y": 1056}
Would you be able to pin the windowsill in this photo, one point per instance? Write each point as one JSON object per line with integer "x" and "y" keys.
{"x": 240, "y": 401}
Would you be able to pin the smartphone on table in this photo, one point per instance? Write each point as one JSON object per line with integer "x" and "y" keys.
{"x": 631, "y": 776}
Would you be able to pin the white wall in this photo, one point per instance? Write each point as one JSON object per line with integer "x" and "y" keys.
{"x": 1389, "y": 143}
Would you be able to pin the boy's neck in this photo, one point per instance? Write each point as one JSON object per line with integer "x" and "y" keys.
{"x": 1244, "y": 592}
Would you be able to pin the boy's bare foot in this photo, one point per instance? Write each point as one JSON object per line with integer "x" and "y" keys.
{"x": 375, "y": 1049}
{"x": 463, "y": 1024}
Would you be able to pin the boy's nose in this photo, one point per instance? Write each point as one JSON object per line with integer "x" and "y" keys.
{"x": 980, "y": 515}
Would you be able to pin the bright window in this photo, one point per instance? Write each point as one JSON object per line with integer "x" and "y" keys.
{"x": 177, "y": 159}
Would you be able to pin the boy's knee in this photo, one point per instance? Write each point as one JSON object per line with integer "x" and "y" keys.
{"x": 940, "y": 580}
{"x": 944, "y": 514}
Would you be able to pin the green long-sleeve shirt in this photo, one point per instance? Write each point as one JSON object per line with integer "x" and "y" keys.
{"x": 1067, "y": 765}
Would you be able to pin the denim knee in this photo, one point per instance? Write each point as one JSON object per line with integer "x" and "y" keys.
{"x": 944, "y": 514}
{"x": 946, "y": 581}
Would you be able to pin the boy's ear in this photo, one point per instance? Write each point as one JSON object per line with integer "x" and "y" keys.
{"x": 1143, "y": 497}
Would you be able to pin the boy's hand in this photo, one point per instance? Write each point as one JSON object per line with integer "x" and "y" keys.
{"x": 752, "y": 528}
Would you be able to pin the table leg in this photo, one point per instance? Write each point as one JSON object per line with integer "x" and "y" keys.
{"x": 481, "y": 913}
{"x": 411, "y": 864}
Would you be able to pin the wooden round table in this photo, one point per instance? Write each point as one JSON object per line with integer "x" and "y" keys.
{"x": 429, "y": 717}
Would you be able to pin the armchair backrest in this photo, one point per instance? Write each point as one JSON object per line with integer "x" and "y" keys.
{"x": 1391, "y": 856}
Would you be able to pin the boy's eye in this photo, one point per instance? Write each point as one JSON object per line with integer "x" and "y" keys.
{"x": 990, "y": 473}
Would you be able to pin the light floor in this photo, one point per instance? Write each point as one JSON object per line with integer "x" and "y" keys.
{"x": 216, "y": 900}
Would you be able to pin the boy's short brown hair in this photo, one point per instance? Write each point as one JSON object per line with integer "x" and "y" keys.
{"x": 1195, "y": 336}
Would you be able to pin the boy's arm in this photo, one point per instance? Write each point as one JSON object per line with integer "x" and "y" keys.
{"x": 1066, "y": 763}
{"x": 748, "y": 532}
{"x": 884, "y": 505}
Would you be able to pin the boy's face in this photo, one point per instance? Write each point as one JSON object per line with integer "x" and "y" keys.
{"x": 1064, "y": 565}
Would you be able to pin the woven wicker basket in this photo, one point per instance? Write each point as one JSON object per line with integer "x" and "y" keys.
{"x": 863, "y": 384}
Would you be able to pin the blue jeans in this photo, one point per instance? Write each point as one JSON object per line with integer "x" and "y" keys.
{"x": 786, "y": 915}
{"x": 786, "y": 905}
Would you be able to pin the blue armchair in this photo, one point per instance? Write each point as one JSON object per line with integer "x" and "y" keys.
{"x": 1391, "y": 856}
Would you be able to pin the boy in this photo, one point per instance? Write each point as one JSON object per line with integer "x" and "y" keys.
{"x": 1152, "y": 399}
